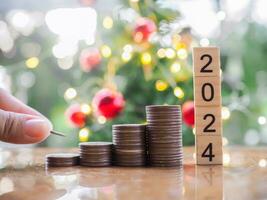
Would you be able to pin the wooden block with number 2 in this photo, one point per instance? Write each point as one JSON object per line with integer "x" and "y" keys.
{"x": 209, "y": 150}
{"x": 208, "y": 120}
{"x": 206, "y": 61}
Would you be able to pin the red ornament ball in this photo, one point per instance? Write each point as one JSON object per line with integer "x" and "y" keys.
{"x": 143, "y": 29}
{"x": 188, "y": 110}
{"x": 90, "y": 59}
{"x": 108, "y": 103}
{"x": 75, "y": 116}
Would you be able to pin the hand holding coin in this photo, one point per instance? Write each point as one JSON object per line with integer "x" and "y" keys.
{"x": 19, "y": 123}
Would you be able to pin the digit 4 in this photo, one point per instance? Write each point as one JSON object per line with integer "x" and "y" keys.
{"x": 207, "y": 153}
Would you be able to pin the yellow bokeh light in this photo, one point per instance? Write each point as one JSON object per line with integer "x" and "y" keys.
{"x": 161, "y": 53}
{"x": 178, "y": 92}
{"x": 225, "y": 113}
{"x": 182, "y": 53}
{"x": 105, "y": 51}
{"x": 175, "y": 67}
{"x": 170, "y": 53}
{"x": 84, "y": 134}
{"x": 32, "y": 62}
{"x": 126, "y": 56}
{"x": 146, "y": 58}
{"x": 108, "y": 22}
{"x": 161, "y": 85}
{"x": 70, "y": 93}
{"x": 101, "y": 120}
{"x": 180, "y": 45}
{"x": 86, "y": 109}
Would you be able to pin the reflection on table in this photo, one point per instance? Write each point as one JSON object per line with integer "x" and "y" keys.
{"x": 23, "y": 176}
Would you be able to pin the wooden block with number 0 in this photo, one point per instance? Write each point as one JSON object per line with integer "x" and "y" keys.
{"x": 207, "y": 91}
{"x": 206, "y": 61}
{"x": 208, "y": 121}
{"x": 209, "y": 150}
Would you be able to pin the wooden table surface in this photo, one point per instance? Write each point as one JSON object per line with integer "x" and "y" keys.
{"x": 24, "y": 177}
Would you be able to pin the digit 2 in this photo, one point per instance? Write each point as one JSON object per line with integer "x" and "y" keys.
{"x": 204, "y": 68}
{"x": 208, "y": 127}
{"x": 207, "y": 153}
{"x": 204, "y": 86}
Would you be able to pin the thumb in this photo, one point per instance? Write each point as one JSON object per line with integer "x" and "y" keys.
{"x": 22, "y": 128}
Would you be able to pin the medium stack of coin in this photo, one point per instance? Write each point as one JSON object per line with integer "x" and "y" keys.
{"x": 95, "y": 154}
{"x": 62, "y": 159}
{"x": 164, "y": 129}
{"x": 129, "y": 144}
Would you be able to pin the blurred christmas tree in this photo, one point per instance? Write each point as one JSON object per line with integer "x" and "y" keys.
{"x": 108, "y": 67}
{"x": 139, "y": 59}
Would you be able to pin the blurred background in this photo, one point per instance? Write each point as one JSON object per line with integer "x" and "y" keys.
{"x": 87, "y": 64}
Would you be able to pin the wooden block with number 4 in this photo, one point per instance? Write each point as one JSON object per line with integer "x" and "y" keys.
{"x": 209, "y": 150}
{"x": 206, "y": 61}
{"x": 207, "y": 91}
{"x": 208, "y": 120}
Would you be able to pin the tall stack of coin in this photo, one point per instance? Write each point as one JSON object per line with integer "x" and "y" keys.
{"x": 129, "y": 143}
{"x": 62, "y": 159}
{"x": 164, "y": 129}
{"x": 95, "y": 154}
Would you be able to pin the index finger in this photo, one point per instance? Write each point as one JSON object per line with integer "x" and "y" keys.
{"x": 10, "y": 103}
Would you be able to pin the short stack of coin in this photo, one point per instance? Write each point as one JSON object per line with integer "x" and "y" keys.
{"x": 164, "y": 129}
{"x": 129, "y": 144}
{"x": 62, "y": 159}
{"x": 95, "y": 154}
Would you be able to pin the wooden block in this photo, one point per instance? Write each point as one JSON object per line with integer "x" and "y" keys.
{"x": 206, "y": 61}
{"x": 209, "y": 150}
{"x": 207, "y": 91}
{"x": 209, "y": 182}
{"x": 208, "y": 120}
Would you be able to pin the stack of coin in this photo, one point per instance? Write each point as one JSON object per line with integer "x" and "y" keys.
{"x": 95, "y": 154}
{"x": 164, "y": 129}
{"x": 62, "y": 159}
{"x": 129, "y": 143}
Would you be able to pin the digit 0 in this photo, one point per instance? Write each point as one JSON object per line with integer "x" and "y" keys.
{"x": 204, "y": 89}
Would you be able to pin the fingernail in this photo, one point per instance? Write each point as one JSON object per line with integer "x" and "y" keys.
{"x": 37, "y": 128}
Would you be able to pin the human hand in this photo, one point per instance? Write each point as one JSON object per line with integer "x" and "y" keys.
{"x": 20, "y": 124}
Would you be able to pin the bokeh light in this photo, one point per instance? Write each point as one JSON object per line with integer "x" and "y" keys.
{"x": 178, "y": 92}
{"x": 175, "y": 67}
{"x": 161, "y": 85}
{"x": 32, "y": 62}
{"x": 108, "y": 22}
{"x": 84, "y": 134}
{"x": 86, "y": 108}
{"x": 105, "y": 51}
{"x": 146, "y": 58}
{"x": 70, "y": 93}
